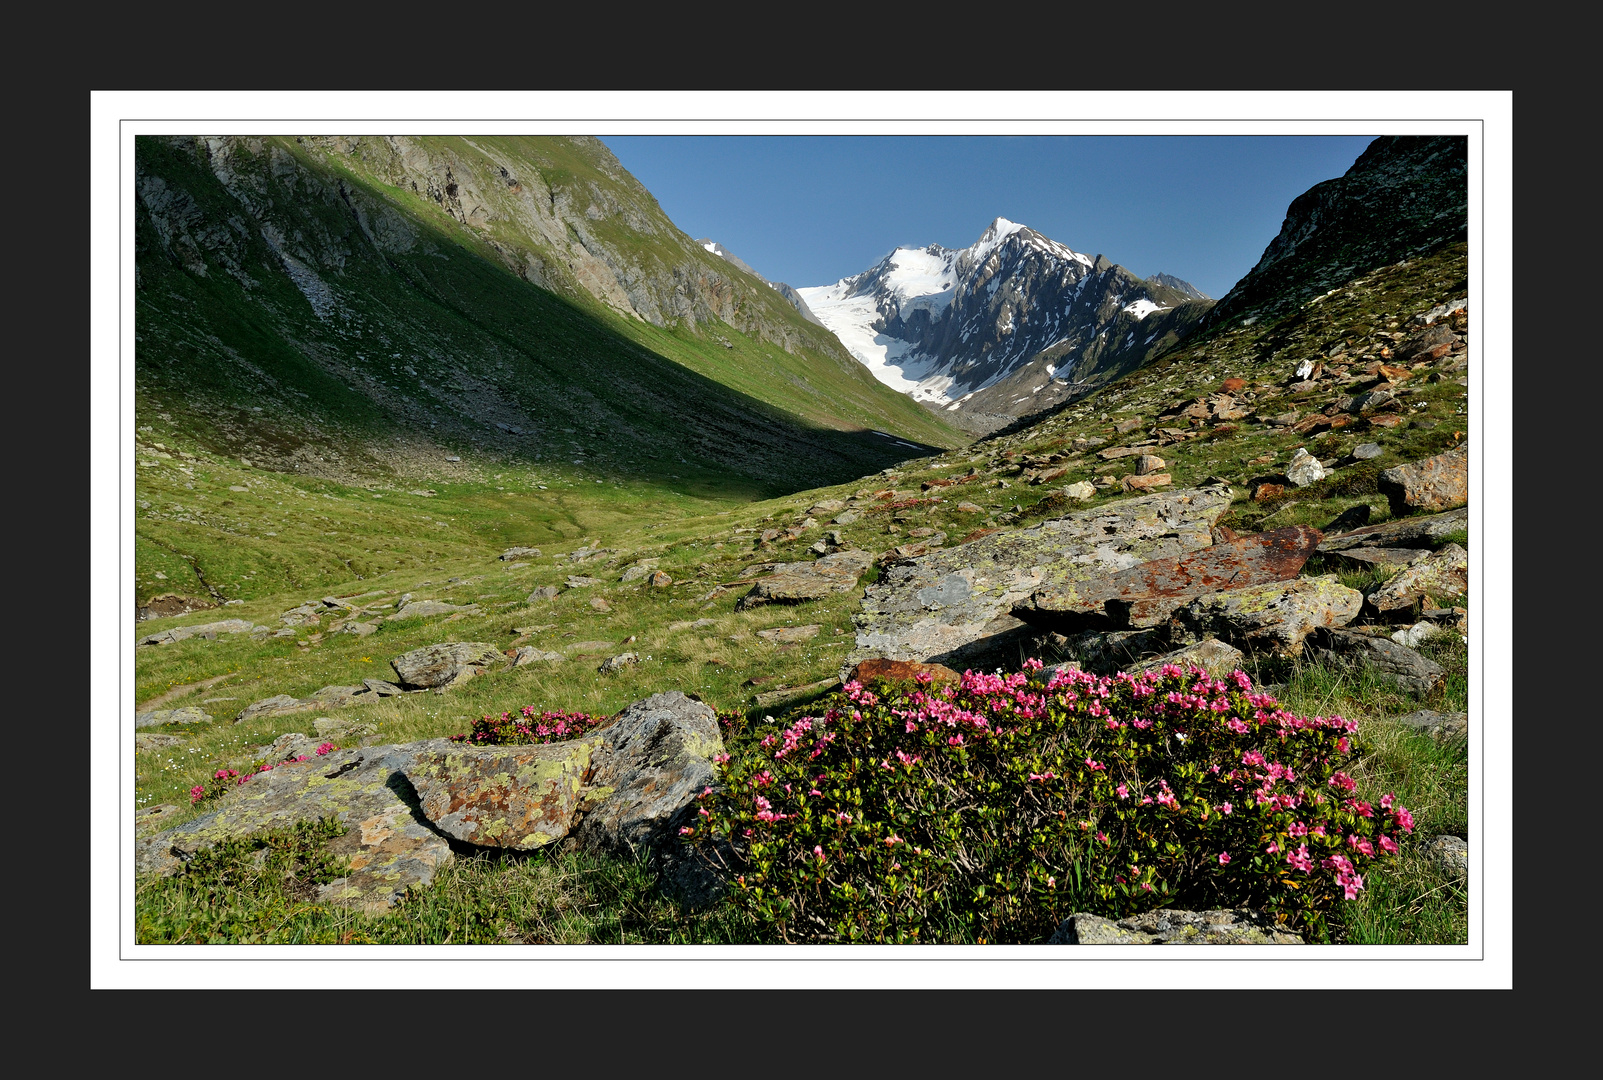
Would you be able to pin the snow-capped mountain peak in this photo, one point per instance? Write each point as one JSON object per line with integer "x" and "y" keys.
{"x": 944, "y": 324}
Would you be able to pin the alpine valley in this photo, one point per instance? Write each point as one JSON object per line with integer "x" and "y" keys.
{"x": 462, "y": 437}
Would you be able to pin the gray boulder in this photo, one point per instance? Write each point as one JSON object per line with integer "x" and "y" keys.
{"x": 653, "y": 761}
{"x": 437, "y": 665}
{"x": 954, "y": 606}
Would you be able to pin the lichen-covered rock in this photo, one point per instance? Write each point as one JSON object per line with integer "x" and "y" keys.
{"x": 390, "y": 847}
{"x": 189, "y": 714}
{"x": 1171, "y": 927}
{"x": 436, "y": 665}
{"x": 1276, "y": 617}
{"x": 513, "y": 553}
{"x": 516, "y": 797}
{"x": 1434, "y": 484}
{"x": 1145, "y": 595}
{"x": 955, "y": 606}
{"x": 653, "y": 761}
{"x": 1443, "y": 574}
{"x": 795, "y": 582}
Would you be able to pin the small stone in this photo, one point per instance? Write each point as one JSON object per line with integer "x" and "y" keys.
{"x": 636, "y": 571}
{"x": 578, "y": 582}
{"x": 544, "y": 592}
{"x": 1148, "y": 463}
{"x": 659, "y": 580}
{"x": 1145, "y": 483}
{"x": 1304, "y": 469}
{"x": 519, "y": 553}
{"x": 618, "y": 663}
{"x": 600, "y": 603}
{"x": 1450, "y": 853}
{"x": 969, "y": 508}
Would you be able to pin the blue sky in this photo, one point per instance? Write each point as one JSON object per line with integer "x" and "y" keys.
{"x": 809, "y": 210}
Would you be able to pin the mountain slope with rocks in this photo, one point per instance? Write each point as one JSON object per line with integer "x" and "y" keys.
{"x": 377, "y": 307}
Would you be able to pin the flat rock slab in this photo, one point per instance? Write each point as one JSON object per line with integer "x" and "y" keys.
{"x": 205, "y": 630}
{"x": 784, "y": 635}
{"x": 1145, "y": 595}
{"x": 161, "y": 717}
{"x": 1170, "y": 927}
{"x": 391, "y": 847}
{"x": 1386, "y": 658}
{"x": 1276, "y": 617}
{"x": 654, "y": 759}
{"x": 436, "y": 665}
{"x": 513, "y": 553}
{"x": 515, "y": 797}
{"x": 793, "y": 583}
{"x": 1443, "y": 574}
{"x": 421, "y": 608}
{"x": 1434, "y": 484}
{"x": 954, "y": 606}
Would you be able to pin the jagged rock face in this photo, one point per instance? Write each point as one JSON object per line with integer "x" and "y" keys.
{"x": 949, "y": 325}
{"x": 1404, "y": 196}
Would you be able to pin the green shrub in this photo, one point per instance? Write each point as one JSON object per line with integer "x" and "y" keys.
{"x": 991, "y": 809}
